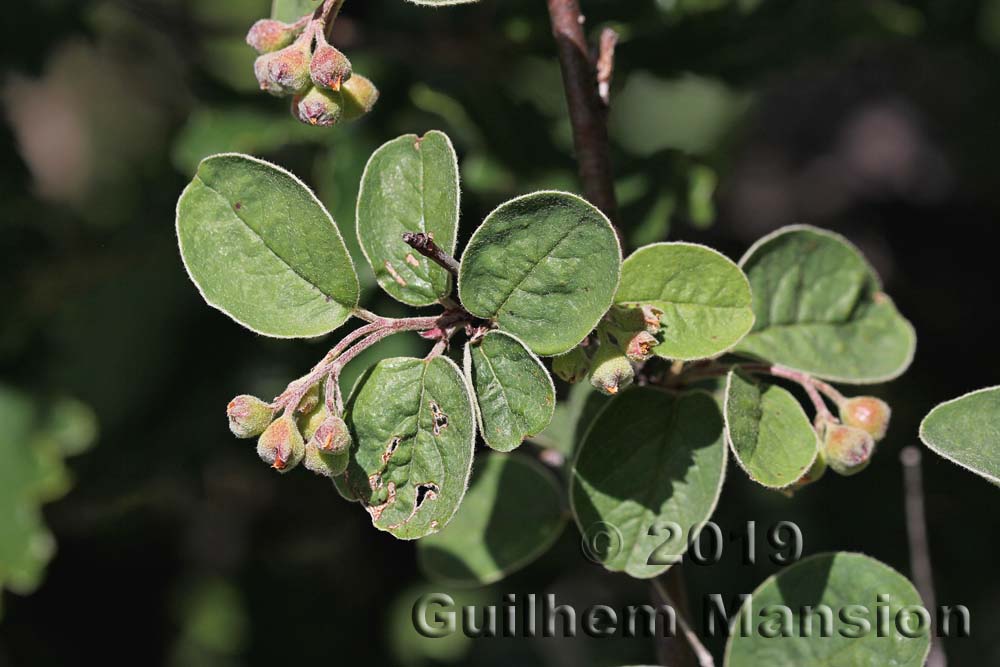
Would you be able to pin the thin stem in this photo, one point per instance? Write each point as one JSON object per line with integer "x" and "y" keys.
{"x": 424, "y": 244}
{"x": 829, "y": 391}
{"x": 703, "y": 655}
{"x": 916, "y": 531}
{"x": 367, "y": 315}
{"x": 587, "y": 111}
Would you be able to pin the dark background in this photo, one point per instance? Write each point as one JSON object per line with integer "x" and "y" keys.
{"x": 176, "y": 546}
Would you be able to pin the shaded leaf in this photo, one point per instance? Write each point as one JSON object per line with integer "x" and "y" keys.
{"x": 495, "y": 532}
{"x": 649, "y": 473}
{"x": 545, "y": 267}
{"x": 410, "y": 185}
{"x": 414, "y": 431}
{"x": 768, "y": 431}
{"x": 704, "y": 296}
{"x": 514, "y": 392}
{"x": 572, "y": 418}
{"x": 966, "y": 431}
{"x": 262, "y": 249}
{"x": 820, "y": 309}
{"x": 837, "y": 580}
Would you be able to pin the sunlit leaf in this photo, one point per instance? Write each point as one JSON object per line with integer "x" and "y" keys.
{"x": 262, "y": 249}
{"x": 545, "y": 267}
{"x": 414, "y": 431}
{"x": 820, "y": 309}
{"x": 966, "y": 431}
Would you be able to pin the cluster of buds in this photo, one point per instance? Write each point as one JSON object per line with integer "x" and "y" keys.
{"x": 847, "y": 447}
{"x": 297, "y": 60}
{"x": 312, "y": 433}
{"x": 626, "y": 337}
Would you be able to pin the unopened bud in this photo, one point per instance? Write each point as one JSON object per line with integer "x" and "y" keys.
{"x": 640, "y": 347}
{"x": 325, "y": 463}
{"x": 360, "y": 96}
{"x": 636, "y": 318}
{"x": 846, "y": 449}
{"x": 284, "y": 72}
{"x": 868, "y": 413}
{"x": 309, "y": 401}
{"x": 281, "y": 445}
{"x": 572, "y": 366}
{"x": 330, "y": 68}
{"x": 318, "y": 107}
{"x": 268, "y": 35}
{"x": 611, "y": 370}
{"x": 332, "y": 436}
{"x": 248, "y": 416}
{"x": 310, "y": 423}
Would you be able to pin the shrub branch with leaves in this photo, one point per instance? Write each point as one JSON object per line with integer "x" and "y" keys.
{"x": 720, "y": 351}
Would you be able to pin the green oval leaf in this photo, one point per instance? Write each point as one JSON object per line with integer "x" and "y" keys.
{"x": 966, "y": 431}
{"x": 821, "y": 310}
{"x": 494, "y": 534}
{"x": 514, "y": 392}
{"x": 414, "y": 431}
{"x": 768, "y": 431}
{"x": 704, "y": 296}
{"x": 545, "y": 267}
{"x": 648, "y": 476}
{"x": 409, "y": 185}
{"x": 843, "y": 582}
{"x": 262, "y": 249}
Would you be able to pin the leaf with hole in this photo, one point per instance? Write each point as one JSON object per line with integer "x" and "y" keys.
{"x": 647, "y": 477}
{"x": 768, "y": 431}
{"x": 496, "y": 533}
{"x": 704, "y": 296}
{"x": 409, "y": 185}
{"x": 414, "y": 431}
{"x": 820, "y": 309}
{"x": 262, "y": 249}
{"x": 514, "y": 392}
{"x": 966, "y": 431}
{"x": 545, "y": 267}
{"x": 785, "y": 625}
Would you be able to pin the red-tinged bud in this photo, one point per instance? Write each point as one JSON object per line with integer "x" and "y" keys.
{"x": 309, "y": 401}
{"x": 332, "y": 436}
{"x": 330, "y": 68}
{"x": 652, "y": 317}
{"x": 635, "y": 318}
{"x": 868, "y": 413}
{"x": 846, "y": 449}
{"x": 318, "y": 107}
{"x": 360, "y": 96}
{"x": 285, "y": 72}
{"x": 640, "y": 347}
{"x": 281, "y": 445}
{"x": 248, "y": 416}
{"x": 325, "y": 463}
{"x": 267, "y": 35}
{"x": 611, "y": 370}
{"x": 572, "y": 366}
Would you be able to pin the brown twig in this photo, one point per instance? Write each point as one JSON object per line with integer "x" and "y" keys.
{"x": 587, "y": 111}
{"x": 424, "y": 244}
{"x": 674, "y": 653}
